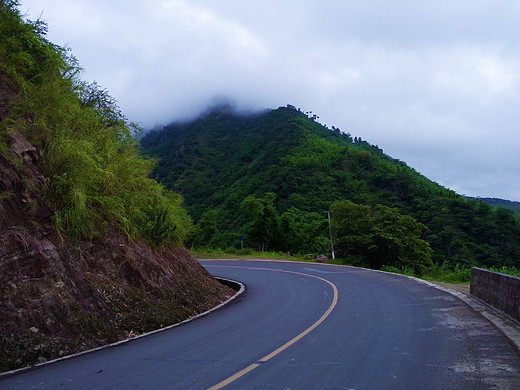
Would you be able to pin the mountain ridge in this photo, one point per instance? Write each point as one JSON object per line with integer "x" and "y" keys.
{"x": 219, "y": 160}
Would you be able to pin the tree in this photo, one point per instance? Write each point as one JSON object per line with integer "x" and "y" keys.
{"x": 379, "y": 236}
{"x": 205, "y": 230}
{"x": 262, "y": 230}
{"x": 303, "y": 232}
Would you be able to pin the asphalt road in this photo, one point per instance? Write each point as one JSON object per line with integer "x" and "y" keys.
{"x": 305, "y": 326}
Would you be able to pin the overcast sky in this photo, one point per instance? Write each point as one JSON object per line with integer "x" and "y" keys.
{"x": 433, "y": 83}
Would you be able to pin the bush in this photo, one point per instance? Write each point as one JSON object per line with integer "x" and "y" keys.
{"x": 380, "y": 236}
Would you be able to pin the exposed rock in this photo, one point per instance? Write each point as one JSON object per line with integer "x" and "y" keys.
{"x": 321, "y": 259}
{"x": 22, "y": 148}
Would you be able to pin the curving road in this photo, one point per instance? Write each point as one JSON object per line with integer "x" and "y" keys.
{"x": 305, "y": 326}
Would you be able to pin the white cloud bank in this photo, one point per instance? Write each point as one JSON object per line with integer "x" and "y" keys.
{"x": 435, "y": 84}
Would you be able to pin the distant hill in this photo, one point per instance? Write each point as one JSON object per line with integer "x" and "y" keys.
{"x": 495, "y": 202}
{"x": 286, "y": 158}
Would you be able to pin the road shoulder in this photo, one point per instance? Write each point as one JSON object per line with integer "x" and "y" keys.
{"x": 507, "y": 325}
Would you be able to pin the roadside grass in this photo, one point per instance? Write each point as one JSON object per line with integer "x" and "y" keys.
{"x": 447, "y": 272}
{"x": 246, "y": 253}
{"x": 507, "y": 270}
{"x": 451, "y": 273}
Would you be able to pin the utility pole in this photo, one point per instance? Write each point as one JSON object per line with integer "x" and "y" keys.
{"x": 330, "y": 232}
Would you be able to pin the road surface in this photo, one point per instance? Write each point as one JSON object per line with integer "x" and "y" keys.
{"x": 305, "y": 326}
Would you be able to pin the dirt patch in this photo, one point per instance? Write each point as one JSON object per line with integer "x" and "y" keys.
{"x": 462, "y": 288}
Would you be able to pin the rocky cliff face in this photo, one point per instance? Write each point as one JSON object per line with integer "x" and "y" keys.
{"x": 59, "y": 296}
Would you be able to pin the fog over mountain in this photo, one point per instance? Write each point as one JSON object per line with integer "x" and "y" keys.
{"x": 434, "y": 84}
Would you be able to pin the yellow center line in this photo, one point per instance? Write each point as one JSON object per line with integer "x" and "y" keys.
{"x": 251, "y": 367}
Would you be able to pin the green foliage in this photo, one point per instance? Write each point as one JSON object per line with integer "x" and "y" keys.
{"x": 379, "y": 236}
{"x": 222, "y": 158}
{"x": 402, "y": 271}
{"x": 95, "y": 178}
{"x": 292, "y": 232}
{"x": 450, "y": 273}
{"x": 205, "y": 231}
{"x": 457, "y": 273}
{"x": 304, "y": 233}
{"x": 263, "y": 228}
{"x": 513, "y": 271}
{"x": 494, "y": 202}
{"x": 234, "y": 253}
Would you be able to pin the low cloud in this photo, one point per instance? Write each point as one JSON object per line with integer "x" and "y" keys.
{"x": 433, "y": 84}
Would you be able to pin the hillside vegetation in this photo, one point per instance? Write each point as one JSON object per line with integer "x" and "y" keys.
{"x": 272, "y": 178}
{"x": 90, "y": 247}
{"x": 507, "y": 204}
{"x": 95, "y": 179}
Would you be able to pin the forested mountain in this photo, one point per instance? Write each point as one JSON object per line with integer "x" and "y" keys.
{"x": 272, "y": 177}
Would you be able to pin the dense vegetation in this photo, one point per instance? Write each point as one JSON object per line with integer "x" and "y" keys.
{"x": 272, "y": 178}
{"x": 380, "y": 236}
{"x": 507, "y": 204}
{"x": 95, "y": 178}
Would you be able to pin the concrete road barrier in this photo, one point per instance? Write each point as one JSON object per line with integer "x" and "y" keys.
{"x": 498, "y": 290}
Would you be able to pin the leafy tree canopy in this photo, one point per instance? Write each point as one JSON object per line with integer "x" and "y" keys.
{"x": 379, "y": 236}
{"x": 263, "y": 227}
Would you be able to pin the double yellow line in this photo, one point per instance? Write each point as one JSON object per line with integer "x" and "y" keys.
{"x": 251, "y": 367}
